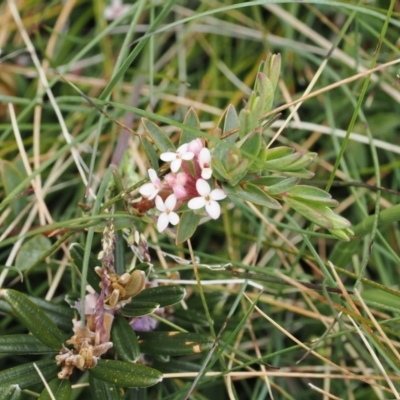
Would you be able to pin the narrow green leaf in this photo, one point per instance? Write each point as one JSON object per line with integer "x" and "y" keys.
{"x": 12, "y": 392}
{"x": 12, "y": 269}
{"x": 150, "y": 152}
{"x": 77, "y": 253}
{"x": 31, "y": 251}
{"x": 119, "y": 251}
{"x": 281, "y": 187}
{"x": 146, "y": 267}
{"x": 61, "y": 315}
{"x": 162, "y": 141}
{"x": 23, "y": 344}
{"x": 11, "y": 177}
{"x": 304, "y": 161}
{"x": 282, "y": 163}
{"x": 321, "y": 215}
{"x": 33, "y": 318}
{"x": 187, "y": 226}
{"x": 311, "y": 195}
{"x": 60, "y": 388}
{"x": 139, "y": 308}
{"x": 174, "y": 343}
{"x": 25, "y": 375}
{"x": 164, "y": 295}
{"x": 246, "y": 123}
{"x": 125, "y": 340}
{"x": 101, "y": 390}
{"x": 277, "y": 153}
{"x": 125, "y": 374}
{"x": 252, "y": 145}
{"x": 231, "y": 122}
{"x": 381, "y": 297}
{"x": 191, "y": 120}
{"x": 254, "y": 194}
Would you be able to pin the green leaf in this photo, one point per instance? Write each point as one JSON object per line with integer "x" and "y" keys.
{"x": 174, "y": 343}
{"x": 162, "y": 141}
{"x": 11, "y": 177}
{"x": 254, "y": 194}
{"x": 277, "y": 153}
{"x": 23, "y": 344}
{"x": 164, "y": 295}
{"x": 191, "y": 120}
{"x": 311, "y": 195}
{"x": 265, "y": 89}
{"x": 31, "y": 251}
{"x": 125, "y": 374}
{"x": 11, "y": 392}
{"x": 303, "y": 162}
{"x": 219, "y": 172}
{"x": 25, "y": 375}
{"x": 139, "y": 308}
{"x": 252, "y": 146}
{"x": 146, "y": 267}
{"x": 101, "y": 390}
{"x": 77, "y": 253}
{"x": 125, "y": 340}
{"x": 187, "y": 226}
{"x": 150, "y": 152}
{"x": 59, "y": 314}
{"x": 60, "y": 388}
{"x": 231, "y": 122}
{"x": 246, "y": 123}
{"x": 282, "y": 163}
{"x": 381, "y": 297}
{"x": 12, "y": 269}
{"x": 321, "y": 215}
{"x": 281, "y": 187}
{"x": 33, "y": 318}
{"x": 300, "y": 173}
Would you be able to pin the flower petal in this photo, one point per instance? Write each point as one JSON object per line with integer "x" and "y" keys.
{"x": 187, "y": 156}
{"x": 162, "y": 222}
{"x": 183, "y": 148}
{"x": 160, "y": 204}
{"x": 196, "y": 203}
{"x": 149, "y": 190}
{"x": 170, "y": 202}
{"x": 217, "y": 194}
{"x": 195, "y": 146}
{"x": 173, "y": 218}
{"x": 152, "y": 175}
{"x": 168, "y": 156}
{"x": 206, "y": 173}
{"x": 203, "y": 188}
{"x": 204, "y": 156}
{"x": 176, "y": 164}
{"x": 213, "y": 209}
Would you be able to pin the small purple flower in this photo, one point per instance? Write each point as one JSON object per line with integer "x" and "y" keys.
{"x": 144, "y": 324}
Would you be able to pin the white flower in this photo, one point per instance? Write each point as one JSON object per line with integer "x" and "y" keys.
{"x": 205, "y": 163}
{"x": 207, "y": 198}
{"x": 176, "y": 158}
{"x": 151, "y": 189}
{"x": 167, "y": 214}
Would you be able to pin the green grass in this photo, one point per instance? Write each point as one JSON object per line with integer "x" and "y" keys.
{"x": 276, "y": 338}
